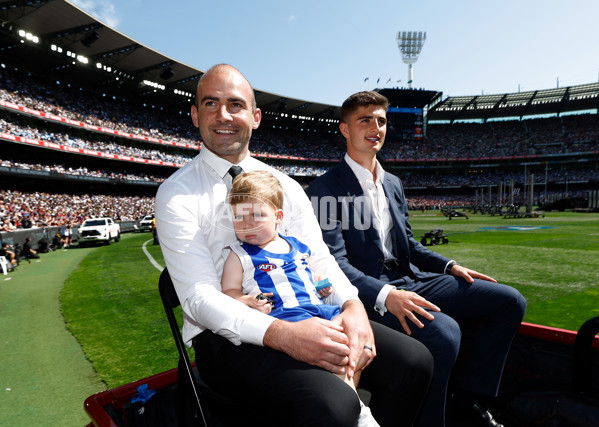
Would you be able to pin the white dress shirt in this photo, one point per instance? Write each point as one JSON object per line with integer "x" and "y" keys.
{"x": 194, "y": 225}
{"x": 381, "y": 218}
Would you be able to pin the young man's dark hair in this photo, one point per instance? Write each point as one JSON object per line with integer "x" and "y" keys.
{"x": 362, "y": 99}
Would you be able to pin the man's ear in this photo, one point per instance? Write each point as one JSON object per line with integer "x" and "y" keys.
{"x": 257, "y": 118}
{"x": 344, "y": 129}
{"x": 194, "y": 116}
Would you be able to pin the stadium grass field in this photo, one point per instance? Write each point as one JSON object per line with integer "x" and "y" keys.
{"x": 111, "y": 305}
{"x": 44, "y": 373}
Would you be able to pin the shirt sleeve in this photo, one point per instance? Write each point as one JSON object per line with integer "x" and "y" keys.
{"x": 190, "y": 263}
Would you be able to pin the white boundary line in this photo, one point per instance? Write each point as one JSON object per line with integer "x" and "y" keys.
{"x": 150, "y": 257}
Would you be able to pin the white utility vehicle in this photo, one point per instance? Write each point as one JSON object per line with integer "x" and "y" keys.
{"x": 146, "y": 223}
{"x": 98, "y": 230}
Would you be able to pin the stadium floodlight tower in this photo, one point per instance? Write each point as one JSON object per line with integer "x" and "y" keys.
{"x": 410, "y": 44}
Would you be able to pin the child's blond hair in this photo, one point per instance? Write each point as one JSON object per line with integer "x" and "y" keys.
{"x": 261, "y": 185}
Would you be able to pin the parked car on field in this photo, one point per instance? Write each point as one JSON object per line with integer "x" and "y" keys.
{"x": 98, "y": 230}
{"x": 146, "y": 223}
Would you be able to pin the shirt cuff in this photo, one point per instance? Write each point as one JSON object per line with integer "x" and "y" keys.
{"x": 379, "y": 305}
{"x": 252, "y": 332}
{"x": 447, "y": 265}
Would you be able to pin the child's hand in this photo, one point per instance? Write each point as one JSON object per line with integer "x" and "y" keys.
{"x": 325, "y": 292}
{"x": 324, "y": 288}
{"x": 262, "y": 302}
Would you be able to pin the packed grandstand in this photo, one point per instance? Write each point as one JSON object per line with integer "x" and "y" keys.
{"x": 73, "y": 147}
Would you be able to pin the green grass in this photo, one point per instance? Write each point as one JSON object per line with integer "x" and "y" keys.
{"x": 111, "y": 304}
{"x": 111, "y": 301}
{"x": 556, "y": 268}
{"x": 44, "y": 375}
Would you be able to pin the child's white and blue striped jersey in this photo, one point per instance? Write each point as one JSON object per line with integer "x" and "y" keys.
{"x": 287, "y": 276}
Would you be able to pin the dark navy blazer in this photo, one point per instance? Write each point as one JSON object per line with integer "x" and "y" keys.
{"x": 340, "y": 206}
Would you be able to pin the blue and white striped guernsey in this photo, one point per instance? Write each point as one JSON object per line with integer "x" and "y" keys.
{"x": 287, "y": 276}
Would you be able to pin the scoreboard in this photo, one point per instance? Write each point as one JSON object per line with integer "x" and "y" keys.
{"x": 405, "y": 124}
{"x": 407, "y": 111}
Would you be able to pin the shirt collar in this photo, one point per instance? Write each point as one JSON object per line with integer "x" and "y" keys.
{"x": 364, "y": 174}
{"x": 219, "y": 165}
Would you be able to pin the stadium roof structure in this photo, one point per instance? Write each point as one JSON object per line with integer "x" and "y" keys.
{"x": 520, "y": 104}
{"x": 56, "y": 39}
{"x": 410, "y": 97}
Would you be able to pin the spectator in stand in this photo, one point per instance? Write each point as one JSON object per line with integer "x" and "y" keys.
{"x": 7, "y": 225}
{"x": 26, "y": 221}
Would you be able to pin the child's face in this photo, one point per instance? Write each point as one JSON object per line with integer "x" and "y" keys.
{"x": 256, "y": 221}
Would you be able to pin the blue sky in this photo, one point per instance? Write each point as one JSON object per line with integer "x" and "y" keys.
{"x": 322, "y": 50}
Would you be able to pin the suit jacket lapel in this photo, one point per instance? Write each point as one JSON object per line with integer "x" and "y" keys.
{"x": 399, "y": 235}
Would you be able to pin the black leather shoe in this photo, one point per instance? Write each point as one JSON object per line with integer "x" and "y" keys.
{"x": 476, "y": 415}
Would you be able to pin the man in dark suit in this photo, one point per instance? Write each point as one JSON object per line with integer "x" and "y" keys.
{"x": 363, "y": 214}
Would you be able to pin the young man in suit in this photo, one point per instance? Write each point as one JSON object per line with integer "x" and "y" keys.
{"x": 364, "y": 218}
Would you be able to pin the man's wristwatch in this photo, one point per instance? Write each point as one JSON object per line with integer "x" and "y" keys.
{"x": 450, "y": 265}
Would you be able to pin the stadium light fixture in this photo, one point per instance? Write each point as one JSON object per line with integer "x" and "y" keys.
{"x": 154, "y": 84}
{"x": 28, "y": 36}
{"x": 410, "y": 45}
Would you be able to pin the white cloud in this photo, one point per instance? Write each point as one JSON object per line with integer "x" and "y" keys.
{"x": 102, "y": 10}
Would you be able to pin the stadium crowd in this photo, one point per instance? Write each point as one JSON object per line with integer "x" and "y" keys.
{"x": 81, "y": 171}
{"x": 67, "y": 138}
{"x": 293, "y": 148}
{"x": 20, "y": 210}
{"x": 63, "y": 101}
{"x": 409, "y": 179}
{"x": 569, "y": 134}
{"x": 297, "y": 144}
{"x": 494, "y": 177}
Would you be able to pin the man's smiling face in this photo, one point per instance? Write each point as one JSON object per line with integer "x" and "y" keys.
{"x": 225, "y": 113}
{"x": 365, "y": 131}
